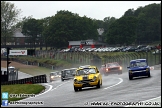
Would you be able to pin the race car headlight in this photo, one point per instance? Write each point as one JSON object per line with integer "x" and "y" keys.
{"x": 52, "y": 76}
{"x": 75, "y": 80}
{"x": 147, "y": 69}
{"x": 130, "y": 71}
{"x": 107, "y": 69}
{"x": 94, "y": 78}
{"x": 120, "y": 68}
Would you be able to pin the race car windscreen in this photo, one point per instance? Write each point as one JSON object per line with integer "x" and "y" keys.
{"x": 11, "y": 69}
{"x": 58, "y": 73}
{"x": 73, "y": 71}
{"x": 86, "y": 71}
{"x": 138, "y": 64}
{"x": 68, "y": 72}
{"x": 112, "y": 64}
{"x": 53, "y": 74}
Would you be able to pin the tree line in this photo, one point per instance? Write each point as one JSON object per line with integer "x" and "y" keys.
{"x": 140, "y": 25}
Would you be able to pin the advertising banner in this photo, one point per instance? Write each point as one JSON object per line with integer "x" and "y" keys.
{"x": 18, "y": 52}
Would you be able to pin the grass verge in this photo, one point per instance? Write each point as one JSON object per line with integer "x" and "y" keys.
{"x": 36, "y": 71}
{"x": 21, "y": 89}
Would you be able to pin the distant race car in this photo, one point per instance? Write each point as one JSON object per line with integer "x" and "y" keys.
{"x": 137, "y": 68}
{"x": 87, "y": 77}
{"x": 54, "y": 75}
{"x": 67, "y": 74}
{"x": 11, "y": 69}
{"x": 111, "y": 68}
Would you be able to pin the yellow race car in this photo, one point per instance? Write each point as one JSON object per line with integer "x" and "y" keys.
{"x": 87, "y": 77}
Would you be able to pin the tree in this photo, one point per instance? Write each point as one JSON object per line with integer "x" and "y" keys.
{"x": 122, "y": 31}
{"x": 129, "y": 12}
{"x": 107, "y": 21}
{"x": 66, "y": 26}
{"x": 21, "y": 22}
{"x": 32, "y": 28}
{"x": 45, "y": 33}
{"x": 9, "y": 17}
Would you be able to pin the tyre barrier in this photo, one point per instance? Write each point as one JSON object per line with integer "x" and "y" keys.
{"x": 30, "y": 80}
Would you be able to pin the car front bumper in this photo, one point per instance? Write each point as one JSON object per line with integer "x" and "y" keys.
{"x": 137, "y": 74}
{"x": 114, "y": 71}
{"x": 88, "y": 84}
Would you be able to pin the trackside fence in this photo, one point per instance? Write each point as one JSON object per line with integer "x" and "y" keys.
{"x": 99, "y": 58}
{"x": 30, "y": 80}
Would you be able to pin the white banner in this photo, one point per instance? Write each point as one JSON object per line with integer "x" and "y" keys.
{"x": 18, "y": 52}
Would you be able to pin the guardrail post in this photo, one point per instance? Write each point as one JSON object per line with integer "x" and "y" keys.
{"x": 155, "y": 57}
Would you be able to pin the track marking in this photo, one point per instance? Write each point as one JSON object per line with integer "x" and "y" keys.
{"x": 149, "y": 100}
{"x": 121, "y": 80}
{"x": 152, "y": 99}
{"x": 59, "y": 85}
{"x": 45, "y": 91}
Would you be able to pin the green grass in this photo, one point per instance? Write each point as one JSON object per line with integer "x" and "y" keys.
{"x": 36, "y": 70}
{"x": 21, "y": 88}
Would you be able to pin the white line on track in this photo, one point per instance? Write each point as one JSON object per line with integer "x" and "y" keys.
{"x": 121, "y": 80}
{"x": 149, "y": 100}
{"x": 59, "y": 85}
{"x": 152, "y": 99}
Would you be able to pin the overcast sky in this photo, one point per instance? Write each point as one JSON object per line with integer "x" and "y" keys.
{"x": 92, "y": 9}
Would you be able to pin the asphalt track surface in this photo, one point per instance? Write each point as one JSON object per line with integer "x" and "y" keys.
{"x": 116, "y": 90}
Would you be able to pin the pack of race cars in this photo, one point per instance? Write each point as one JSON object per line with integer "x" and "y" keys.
{"x": 90, "y": 76}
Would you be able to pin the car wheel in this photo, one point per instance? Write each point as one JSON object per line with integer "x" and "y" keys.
{"x": 80, "y": 89}
{"x": 62, "y": 79}
{"x": 149, "y": 74}
{"x": 119, "y": 73}
{"x": 75, "y": 89}
{"x": 101, "y": 83}
{"x": 130, "y": 77}
{"x": 98, "y": 85}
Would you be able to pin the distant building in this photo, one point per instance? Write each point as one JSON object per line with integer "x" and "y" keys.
{"x": 100, "y": 32}
{"x": 18, "y": 38}
{"x": 89, "y": 42}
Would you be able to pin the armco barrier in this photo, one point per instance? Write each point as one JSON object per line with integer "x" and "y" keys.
{"x": 30, "y": 80}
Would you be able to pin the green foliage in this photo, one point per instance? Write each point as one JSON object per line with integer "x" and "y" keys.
{"x": 9, "y": 16}
{"x": 135, "y": 26}
{"x": 57, "y": 63}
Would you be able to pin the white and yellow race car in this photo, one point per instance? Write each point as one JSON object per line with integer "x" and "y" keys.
{"x": 87, "y": 77}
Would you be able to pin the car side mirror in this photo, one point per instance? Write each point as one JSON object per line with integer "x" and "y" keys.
{"x": 128, "y": 67}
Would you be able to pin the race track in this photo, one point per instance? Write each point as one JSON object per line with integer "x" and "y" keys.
{"x": 115, "y": 89}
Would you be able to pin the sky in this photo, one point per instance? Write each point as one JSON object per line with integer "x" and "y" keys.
{"x": 92, "y": 9}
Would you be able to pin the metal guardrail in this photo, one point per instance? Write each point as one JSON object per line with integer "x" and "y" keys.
{"x": 30, "y": 80}
{"x": 93, "y": 58}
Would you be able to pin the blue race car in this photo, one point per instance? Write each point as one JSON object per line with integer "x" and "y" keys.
{"x": 137, "y": 68}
